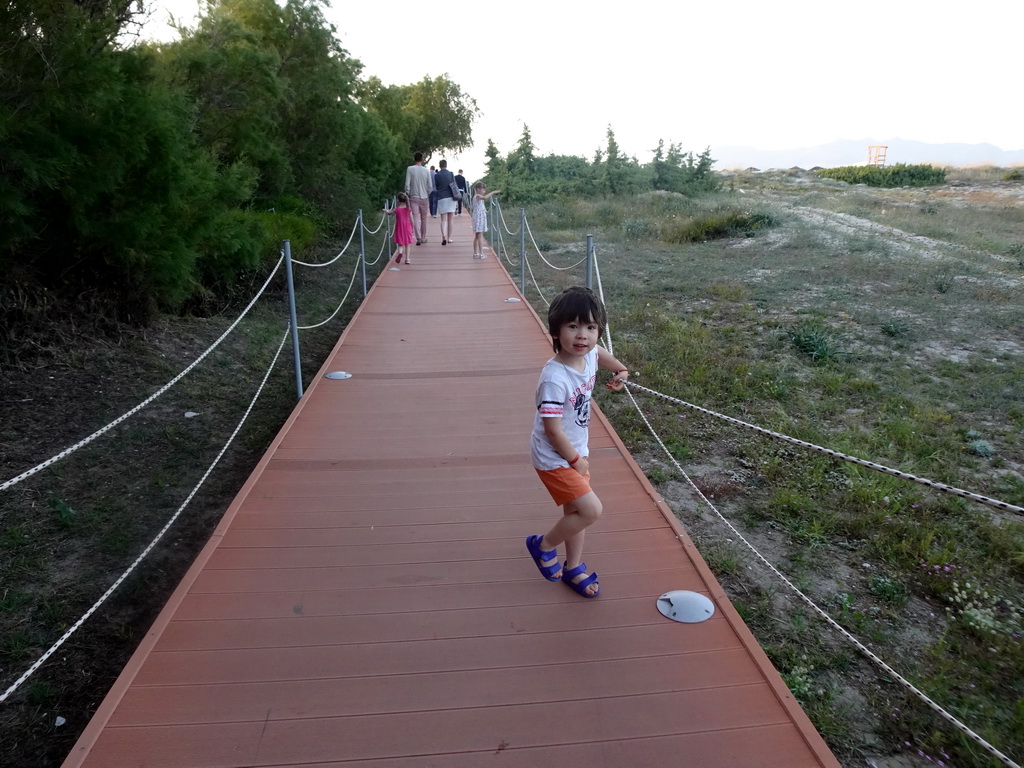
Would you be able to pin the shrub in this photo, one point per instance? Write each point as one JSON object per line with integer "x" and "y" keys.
{"x": 817, "y": 341}
{"x": 639, "y": 229}
{"x": 898, "y": 175}
{"x": 718, "y": 225}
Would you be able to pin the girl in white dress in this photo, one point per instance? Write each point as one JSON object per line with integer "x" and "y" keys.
{"x": 480, "y": 217}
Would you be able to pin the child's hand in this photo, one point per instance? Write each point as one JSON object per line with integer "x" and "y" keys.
{"x": 618, "y": 380}
{"x": 582, "y": 465}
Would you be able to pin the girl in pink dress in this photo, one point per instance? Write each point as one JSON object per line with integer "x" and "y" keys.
{"x": 403, "y": 227}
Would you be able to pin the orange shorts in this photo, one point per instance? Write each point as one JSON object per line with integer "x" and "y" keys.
{"x": 564, "y": 484}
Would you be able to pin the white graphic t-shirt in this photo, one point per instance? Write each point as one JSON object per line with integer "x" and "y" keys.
{"x": 563, "y": 393}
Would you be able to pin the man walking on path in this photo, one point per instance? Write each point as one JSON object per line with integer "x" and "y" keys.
{"x": 433, "y": 193}
{"x": 418, "y": 188}
{"x": 460, "y": 182}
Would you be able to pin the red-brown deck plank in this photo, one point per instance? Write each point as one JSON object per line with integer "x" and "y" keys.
{"x": 367, "y": 599}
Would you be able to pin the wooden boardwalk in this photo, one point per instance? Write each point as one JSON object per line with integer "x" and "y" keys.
{"x": 368, "y": 600}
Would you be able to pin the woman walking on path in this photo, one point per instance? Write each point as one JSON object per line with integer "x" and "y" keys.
{"x": 480, "y": 196}
{"x": 417, "y": 187}
{"x": 444, "y": 181}
{"x": 559, "y": 444}
{"x": 404, "y": 236}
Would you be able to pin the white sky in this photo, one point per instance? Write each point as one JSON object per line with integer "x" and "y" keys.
{"x": 783, "y": 75}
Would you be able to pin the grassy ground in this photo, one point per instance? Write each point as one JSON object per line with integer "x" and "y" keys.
{"x": 884, "y": 324}
{"x": 69, "y": 531}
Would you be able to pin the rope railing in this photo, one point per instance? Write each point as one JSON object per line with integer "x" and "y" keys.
{"x": 103, "y": 430}
{"x": 177, "y": 514}
{"x": 541, "y": 253}
{"x": 501, "y": 251}
{"x": 98, "y": 433}
{"x": 501, "y": 216}
{"x": 536, "y": 285}
{"x": 994, "y": 503}
{"x": 351, "y": 282}
{"x": 867, "y": 652}
{"x": 863, "y": 649}
{"x": 383, "y": 245}
{"x": 152, "y": 544}
{"x": 379, "y": 225}
{"x": 355, "y": 228}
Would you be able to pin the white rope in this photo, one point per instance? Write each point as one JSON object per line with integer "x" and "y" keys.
{"x": 835, "y": 625}
{"x": 68, "y": 451}
{"x": 853, "y": 459}
{"x": 536, "y": 285}
{"x": 505, "y": 252}
{"x": 541, "y": 254}
{"x": 74, "y": 628}
{"x": 501, "y": 215}
{"x": 380, "y": 253}
{"x": 351, "y": 282}
{"x": 831, "y": 622}
{"x": 600, "y": 291}
{"x": 340, "y": 254}
{"x": 383, "y": 216}
{"x": 502, "y": 251}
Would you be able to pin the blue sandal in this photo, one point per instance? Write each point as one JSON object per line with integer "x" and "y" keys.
{"x": 581, "y": 587}
{"x": 541, "y": 556}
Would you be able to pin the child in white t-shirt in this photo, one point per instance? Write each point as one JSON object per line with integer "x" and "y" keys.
{"x": 576, "y": 320}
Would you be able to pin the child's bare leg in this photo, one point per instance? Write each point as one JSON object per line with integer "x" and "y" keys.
{"x": 577, "y": 516}
{"x": 574, "y": 549}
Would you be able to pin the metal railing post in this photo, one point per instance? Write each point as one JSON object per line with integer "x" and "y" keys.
{"x": 387, "y": 230}
{"x": 287, "y": 251}
{"x": 494, "y": 218}
{"x": 362, "y": 249}
{"x": 590, "y": 262}
{"x": 499, "y": 233}
{"x": 522, "y": 251}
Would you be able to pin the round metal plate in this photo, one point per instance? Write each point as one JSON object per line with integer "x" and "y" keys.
{"x": 394, "y": 269}
{"x": 684, "y": 606}
{"x": 509, "y": 301}
{"x": 337, "y": 375}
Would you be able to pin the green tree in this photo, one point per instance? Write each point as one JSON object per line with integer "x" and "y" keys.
{"x": 521, "y": 187}
{"x": 445, "y": 115}
{"x": 238, "y": 96}
{"x": 660, "y": 168}
{"x": 323, "y": 128}
{"x": 433, "y": 115}
{"x": 497, "y": 169}
{"x": 106, "y": 196}
{"x": 612, "y": 180}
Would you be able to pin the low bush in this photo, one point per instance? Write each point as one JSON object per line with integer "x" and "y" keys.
{"x": 899, "y": 175}
{"x": 640, "y": 228}
{"x": 717, "y": 225}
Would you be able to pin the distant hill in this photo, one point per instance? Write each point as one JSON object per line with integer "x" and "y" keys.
{"x": 855, "y": 152}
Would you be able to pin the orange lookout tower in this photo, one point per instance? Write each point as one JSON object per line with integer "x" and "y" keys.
{"x": 876, "y": 155}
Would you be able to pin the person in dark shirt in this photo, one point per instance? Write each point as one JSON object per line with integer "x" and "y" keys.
{"x": 444, "y": 180}
{"x": 433, "y": 193}
{"x": 460, "y": 182}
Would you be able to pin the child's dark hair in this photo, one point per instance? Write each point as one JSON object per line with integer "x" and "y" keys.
{"x": 575, "y": 303}
{"x": 402, "y": 197}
